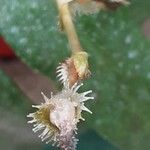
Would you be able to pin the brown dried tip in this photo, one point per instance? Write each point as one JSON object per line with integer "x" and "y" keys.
{"x": 112, "y": 4}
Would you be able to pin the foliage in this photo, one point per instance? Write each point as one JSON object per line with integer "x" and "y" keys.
{"x": 119, "y": 59}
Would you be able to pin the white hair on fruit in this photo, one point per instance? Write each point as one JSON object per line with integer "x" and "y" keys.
{"x": 62, "y": 72}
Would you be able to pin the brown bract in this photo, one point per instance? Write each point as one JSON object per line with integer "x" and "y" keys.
{"x": 73, "y": 75}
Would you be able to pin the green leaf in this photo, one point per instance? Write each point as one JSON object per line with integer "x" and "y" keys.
{"x": 119, "y": 61}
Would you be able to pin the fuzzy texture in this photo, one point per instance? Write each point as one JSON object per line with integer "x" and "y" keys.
{"x": 67, "y": 71}
{"x": 58, "y": 116}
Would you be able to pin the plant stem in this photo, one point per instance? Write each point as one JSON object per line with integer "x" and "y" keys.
{"x": 68, "y": 26}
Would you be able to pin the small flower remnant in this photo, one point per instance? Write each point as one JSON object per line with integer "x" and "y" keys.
{"x": 94, "y": 6}
{"x": 58, "y": 116}
{"x": 74, "y": 68}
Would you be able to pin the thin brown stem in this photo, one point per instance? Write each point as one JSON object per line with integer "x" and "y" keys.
{"x": 68, "y": 26}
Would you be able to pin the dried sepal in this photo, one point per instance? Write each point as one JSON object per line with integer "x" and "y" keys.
{"x": 58, "y": 116}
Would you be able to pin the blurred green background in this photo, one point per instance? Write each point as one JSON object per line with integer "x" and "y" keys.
{"x": 119, "y": 61}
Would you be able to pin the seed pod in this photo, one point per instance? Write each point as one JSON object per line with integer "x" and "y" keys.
{"x": 59, "y": 115}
